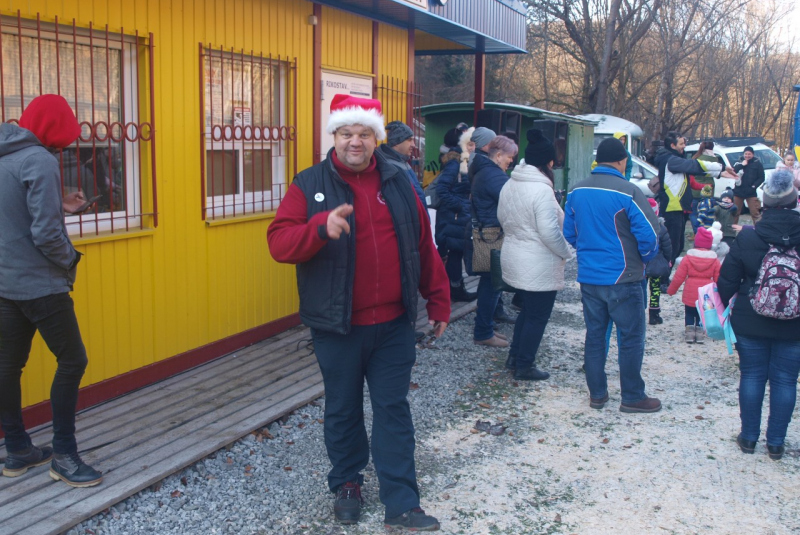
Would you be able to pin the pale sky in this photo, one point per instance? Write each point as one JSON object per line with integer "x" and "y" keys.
{"x": 790, "y": 24}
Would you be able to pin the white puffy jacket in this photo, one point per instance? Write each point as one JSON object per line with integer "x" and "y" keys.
{"x": 534, "y": 249}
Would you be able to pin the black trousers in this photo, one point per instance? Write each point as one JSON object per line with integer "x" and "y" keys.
{"x": 675, "y": 222}
{"x": 383, "y": 354}
{"x": 453, "y": 266}
{"x": 54, "y": 317}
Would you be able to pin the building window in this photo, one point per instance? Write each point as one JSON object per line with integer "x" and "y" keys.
{"x": 249, "y": 133}
{"x": 103, "y": 76}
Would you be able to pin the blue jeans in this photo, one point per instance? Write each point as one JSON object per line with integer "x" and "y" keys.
{"x": 529, "y": 329}
{"x": 611, "y": 322}
{"x": 693, "y": 215}
{"x": 54, "y": 317}
{"x": 487, "y": 303}
{"x": 762, "y": 359}
{"x": 384, "y": 355}
{"x": 622, "y": 304}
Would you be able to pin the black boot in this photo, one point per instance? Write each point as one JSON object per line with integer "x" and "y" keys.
{"x": 531, "y": 374}
{"x": 655, "y": 316}
{"x": 511, "y": 362}
{"x": 459, "y": 293}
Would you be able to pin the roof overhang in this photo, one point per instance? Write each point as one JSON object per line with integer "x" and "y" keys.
{"x": 527, "y": 111}
{"x": 488, "y": 26}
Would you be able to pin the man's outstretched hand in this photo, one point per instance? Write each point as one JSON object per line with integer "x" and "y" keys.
{"x": 438, "y": 327}
{"x": 337, "y": 221}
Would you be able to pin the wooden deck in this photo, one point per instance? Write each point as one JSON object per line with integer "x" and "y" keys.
{"x": 140, "y": 438}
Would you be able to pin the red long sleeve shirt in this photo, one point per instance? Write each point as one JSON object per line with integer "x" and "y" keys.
{"x": 377, "y": 295}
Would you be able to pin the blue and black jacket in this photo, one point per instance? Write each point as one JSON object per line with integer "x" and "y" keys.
{"x": 611, "y": 225}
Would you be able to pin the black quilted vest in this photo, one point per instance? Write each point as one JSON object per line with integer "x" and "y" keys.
{"x": 325, "y": 282}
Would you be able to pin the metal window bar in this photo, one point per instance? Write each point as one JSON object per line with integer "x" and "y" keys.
{"x": 401, "y": 101}
{"x": 110, "y": 87}
{"x": 248, "y": 141}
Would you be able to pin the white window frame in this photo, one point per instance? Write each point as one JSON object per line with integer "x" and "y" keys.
{"x": 224, "y": 138}
{"x": 91, "y": 223}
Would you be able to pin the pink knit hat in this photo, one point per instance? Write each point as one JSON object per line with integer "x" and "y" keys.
{"x": 703, "y": 239}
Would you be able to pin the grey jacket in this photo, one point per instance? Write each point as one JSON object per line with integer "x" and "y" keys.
{"x": 36, "y": 255}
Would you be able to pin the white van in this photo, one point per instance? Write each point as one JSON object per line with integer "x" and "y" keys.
{"x": 608, "y": 125}
{"x": 729, "y": 155}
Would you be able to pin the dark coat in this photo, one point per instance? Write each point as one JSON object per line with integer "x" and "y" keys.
{"x": 454, "y": 214}
{"x": 325, "y": 283}
{"x": 752, "y": 177}
{"x": 659, "y": 266}
{"x": 740, "y": 269}
{"x": 487, "y": 180}
{"x": 402, "y": 161}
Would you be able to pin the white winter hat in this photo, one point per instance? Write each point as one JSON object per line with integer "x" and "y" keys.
{"x": 348, "y": 110}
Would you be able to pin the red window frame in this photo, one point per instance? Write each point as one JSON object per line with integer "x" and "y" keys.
{"x": 255, "y": 129}
{"x": 116, "y": 147}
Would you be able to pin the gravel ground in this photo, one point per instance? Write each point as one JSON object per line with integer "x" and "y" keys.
{"x": 558, "y": 467}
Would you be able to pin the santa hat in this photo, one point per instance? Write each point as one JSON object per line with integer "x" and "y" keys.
{"x": 51, "y": 120}
{"x": 348, "y": 110}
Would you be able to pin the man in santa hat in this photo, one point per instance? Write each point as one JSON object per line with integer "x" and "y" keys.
{"x": 37, "y": 270}
{"x": 363, "y": 248}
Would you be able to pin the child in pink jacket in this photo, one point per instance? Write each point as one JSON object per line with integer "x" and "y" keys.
{"x": 698, "y": 267}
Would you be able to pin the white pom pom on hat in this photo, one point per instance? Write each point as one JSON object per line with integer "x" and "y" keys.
{"x": 347, "y": 110}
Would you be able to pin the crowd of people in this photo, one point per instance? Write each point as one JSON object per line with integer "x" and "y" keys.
{"x": 357, "y": 227}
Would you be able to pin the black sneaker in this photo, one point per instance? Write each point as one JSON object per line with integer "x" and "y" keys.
{"x": 460, "y": 293}
{"x": 413, "y": 520}
{"x": 70, "y": 468}
{"x": 347, "y": 507}
{"x": 775, "y": 452}
{"x": 531, "y": 374}
{"x": 747, "y": 446}
{"x": 598, "y": 403}
{"x": 17, "y": 463}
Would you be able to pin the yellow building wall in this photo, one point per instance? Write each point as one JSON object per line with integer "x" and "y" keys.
{"x": 392, "y": 71}
{"x": 142, "y": 298}
{"x": 346, "y": 41}
{"x": 146, "y": 296}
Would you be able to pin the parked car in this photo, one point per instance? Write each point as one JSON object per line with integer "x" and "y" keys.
{"x": 731, "y": 154}
{"x": 641, "y": 174}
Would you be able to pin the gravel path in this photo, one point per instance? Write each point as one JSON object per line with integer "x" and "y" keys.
{"x": 559, "y": 467}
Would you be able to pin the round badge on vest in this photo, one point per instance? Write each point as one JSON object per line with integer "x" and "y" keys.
{"x": 319, "y": 197}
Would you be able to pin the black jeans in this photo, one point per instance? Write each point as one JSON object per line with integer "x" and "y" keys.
{"x": 453, "y": 266}
{"x": 384, "y": 355}
{"x": 54, "y": 317}
{"x": 675, "y": 222}
{"x": 529, "y": 329}
{"x": 691, "y": 315}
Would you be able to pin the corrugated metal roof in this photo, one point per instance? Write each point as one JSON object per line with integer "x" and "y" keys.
{"x": 490, "y": 26}
{"x": 524, "y": 110}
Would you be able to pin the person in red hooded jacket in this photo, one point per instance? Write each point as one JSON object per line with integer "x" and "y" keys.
{"x": 37, "y": 270}
{"x": 699, "y": 267}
